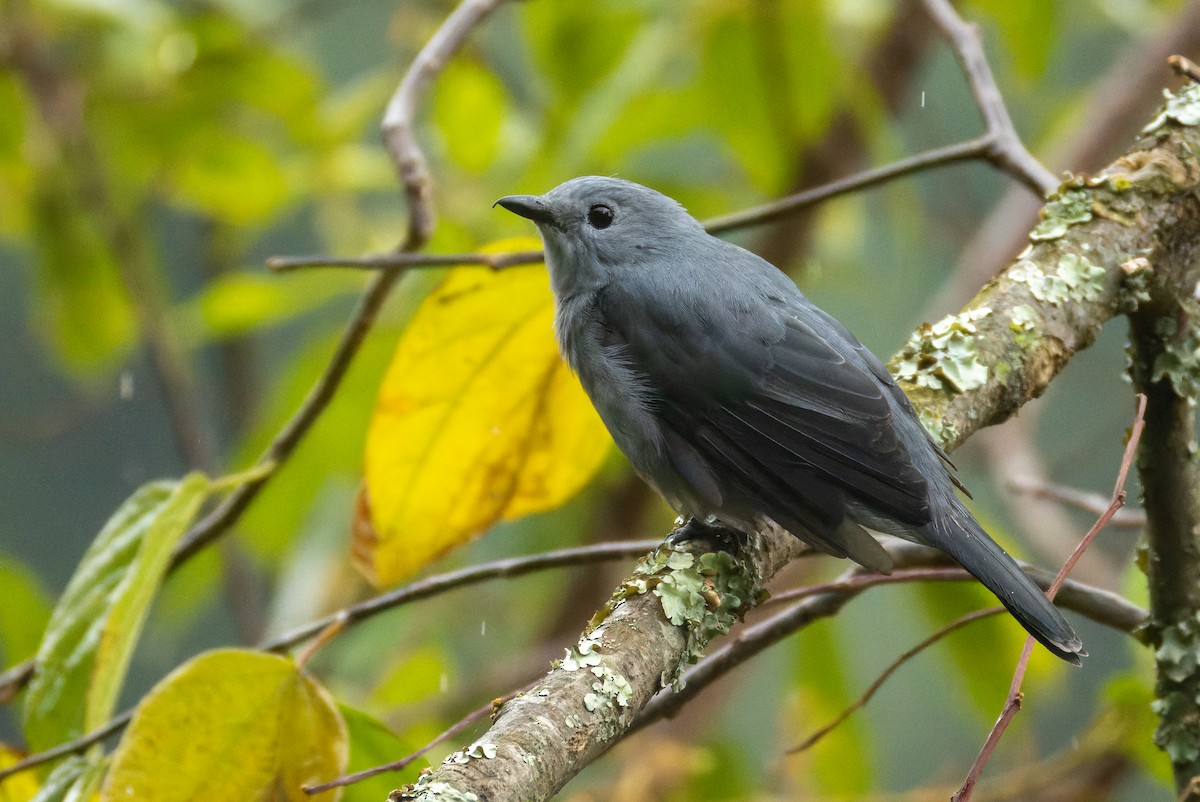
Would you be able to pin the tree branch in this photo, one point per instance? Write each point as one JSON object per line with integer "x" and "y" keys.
{"x": 1005, "y": 151}
{"x": 1164, "y": 367}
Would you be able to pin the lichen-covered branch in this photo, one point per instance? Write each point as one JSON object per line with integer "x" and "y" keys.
{"x": 658, "y": 621}
{"x": 1094, "y": 255}
{"x": 1091, "y": 257}
{"x": 1165, "y": 365}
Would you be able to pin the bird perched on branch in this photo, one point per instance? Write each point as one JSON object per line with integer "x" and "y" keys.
{"x": 738, "y": 399}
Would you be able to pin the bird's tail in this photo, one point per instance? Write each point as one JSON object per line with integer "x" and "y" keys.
{"x": 955, "y": 531}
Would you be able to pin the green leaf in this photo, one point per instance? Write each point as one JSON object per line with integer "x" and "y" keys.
{"x": 16, "y": 173}
{"x": 417, "y": 675}
{"x": 87, "y": 647}
{"x": 229, "y": 726}
{"x": 24, "y": 613}
{"x": 74, "y": 780}
{"x": 1028, "y": 31}
{"x": 373, "y": 744}
{"x": 985, "y": 680}
{"x": 229, "y": 176}
{"x": 82, "y": 309}
{"x": 842, "y": 760}
{"x": 577, "y": 44}
{"x": 469, "y": 108}
{"x": 235, "y": 304}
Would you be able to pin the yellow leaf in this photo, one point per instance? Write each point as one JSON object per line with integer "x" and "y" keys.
{"x": 230, "y": 725}
{"x": 18, "y": 787}
{"x": 478, "y": 420}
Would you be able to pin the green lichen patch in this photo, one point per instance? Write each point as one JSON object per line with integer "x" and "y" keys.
{"x": 646, "y": 576}
{"x": 1178, "y": 653}
{"x": 1178, "y": 656}
{"x": 476, "y": 751}
{"x": 1074, "y": 280}
{"x": 1135, "y": 286}
{"x": 611, "y": 690}
{"x": 585, "y": 654}
{"x": 1023, "y": 320}
{"x": 1071, "y": 206}
{"x": 941, "y": 430}
{"x": 432, "y": 791}
{"x": 705, "y": 597}
{"x": 1182, "y": 108}
{"x": 1179, "y": 359}
{"x": 943, "y": 356}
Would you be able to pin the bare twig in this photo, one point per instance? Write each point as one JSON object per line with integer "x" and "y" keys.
{"x": 434, "y": 585}
{"x": 883, "y": 677}
{"x": 861, "y": 581}
{"x": 407, "y": 760}
{"x": 73, "y": 747}
{"x": 1117, "y": 106}
{"x": 1080, "y": 499}
{"x": 1185, "y": 67}
{"x": 496, "y": 261}
{"x": 757, "y": 215}
{"x": 400, "y": 117}
{"x": 1012, "y": 704}
{"x": 1005, "y": 149}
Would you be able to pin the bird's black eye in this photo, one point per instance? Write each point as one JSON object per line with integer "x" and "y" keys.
{"x": 600, "y": 216}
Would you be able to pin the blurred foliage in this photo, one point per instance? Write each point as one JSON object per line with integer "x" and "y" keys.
{"x": 152, "y": 153}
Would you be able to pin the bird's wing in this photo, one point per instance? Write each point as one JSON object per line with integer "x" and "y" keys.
{"x": 772, "y": 405}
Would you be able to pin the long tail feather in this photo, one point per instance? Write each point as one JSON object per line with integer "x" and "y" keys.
{"x": 955, "y": 531}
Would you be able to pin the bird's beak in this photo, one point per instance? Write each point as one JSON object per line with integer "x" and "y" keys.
{"x": 531, "y": 207}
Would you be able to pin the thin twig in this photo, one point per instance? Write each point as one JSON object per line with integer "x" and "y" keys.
{"x": 73, "y": 747}
{"x": 1012, "y": 704}
{"x": 1080, "y": 499}
{"x": 330, "y": 625}
{"x": 1006, "y": 150}
{"x": 883, "y": 677}
{"x": 757, "y": 215}
{"x": 1185, "y": 67}
{"x": 496, "y": 261}
{"x": 861, "y": 581}
{"x": 399, "y": 135}
{"x": 434, "y": 585}
{"x": 406, "y": 761}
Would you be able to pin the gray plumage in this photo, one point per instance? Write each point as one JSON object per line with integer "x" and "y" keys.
{"x": 736, "y": 397}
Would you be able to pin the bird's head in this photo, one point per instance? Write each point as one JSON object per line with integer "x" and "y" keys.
{"x": 594, "y": 228}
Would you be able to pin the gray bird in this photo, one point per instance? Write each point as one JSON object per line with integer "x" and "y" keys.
{"x": 737, "y": 398}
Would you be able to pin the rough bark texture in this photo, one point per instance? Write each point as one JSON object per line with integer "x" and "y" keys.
{"x": 1163, "y": 365}
{"x": 1117, "y": 242}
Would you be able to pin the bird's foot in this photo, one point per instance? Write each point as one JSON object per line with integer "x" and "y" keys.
{"x": 698, "y": 535}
